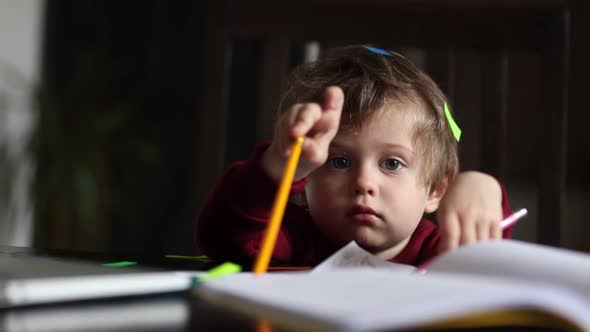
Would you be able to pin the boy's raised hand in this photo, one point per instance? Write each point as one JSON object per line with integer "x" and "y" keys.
{"x": 317, "y": 123}
{"x": 470, "y": 211}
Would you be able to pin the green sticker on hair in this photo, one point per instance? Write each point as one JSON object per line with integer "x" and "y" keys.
{"x": 454, "y": 127}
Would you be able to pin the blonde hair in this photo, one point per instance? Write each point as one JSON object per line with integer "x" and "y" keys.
{"x": 370, "y": 80}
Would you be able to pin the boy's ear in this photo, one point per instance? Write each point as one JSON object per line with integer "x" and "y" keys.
{"x": 436, "y": 194}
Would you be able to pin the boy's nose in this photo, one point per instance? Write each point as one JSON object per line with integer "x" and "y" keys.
{"x": 365, "y": 183}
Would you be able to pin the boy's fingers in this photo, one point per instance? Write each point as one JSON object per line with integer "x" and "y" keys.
{"x": 326, "y": 127}
{"x": 449, "y": 232}
{"x": 305, "y": 119}
{"x": 317, "y": 123}
{"x": 495, "y": 231}
{"x": 333, "y": 98}
{"x": 282, "y": 137}
{"x": 314, "y": 152}
{"x": 483, "y": 231}
{"x": 468, "y": 231}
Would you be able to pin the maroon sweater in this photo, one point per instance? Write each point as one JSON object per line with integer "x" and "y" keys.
{"x": 232, "y": 222}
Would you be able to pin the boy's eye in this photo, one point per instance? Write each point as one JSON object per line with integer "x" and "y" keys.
{"x": 340, "y": 162}
{"x": 391, "y": 164}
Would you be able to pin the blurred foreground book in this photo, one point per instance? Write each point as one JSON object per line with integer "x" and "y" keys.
{"x": 492, "y": 284}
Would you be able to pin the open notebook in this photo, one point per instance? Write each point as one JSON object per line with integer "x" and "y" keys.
{"x": 497, "y": 283}
{"x": 28, "y": 279}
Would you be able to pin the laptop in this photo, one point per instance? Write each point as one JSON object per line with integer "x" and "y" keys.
{"x": 27, "y": 278}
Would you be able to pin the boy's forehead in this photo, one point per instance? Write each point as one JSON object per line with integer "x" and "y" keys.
{"x": 389, "y": 124}
{"x": 408, "y": 111}
{"x": 394, "y": 125}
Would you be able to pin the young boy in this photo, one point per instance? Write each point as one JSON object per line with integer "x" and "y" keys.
{"x": 378, "y": 154}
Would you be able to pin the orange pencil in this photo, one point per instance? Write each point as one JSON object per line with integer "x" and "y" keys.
{"x": 278, "y": 209}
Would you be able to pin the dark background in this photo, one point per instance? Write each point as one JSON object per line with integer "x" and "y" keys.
{"x": 125, "y": 154}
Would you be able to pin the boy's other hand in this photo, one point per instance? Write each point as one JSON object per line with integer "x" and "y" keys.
{"x": 317, "y": 123}
{"x": 470, "y": 211}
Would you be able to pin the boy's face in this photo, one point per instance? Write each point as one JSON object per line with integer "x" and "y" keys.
{"x": 370, "y": 189}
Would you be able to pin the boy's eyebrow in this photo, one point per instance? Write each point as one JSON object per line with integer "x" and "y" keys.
{"x": 337, "y": 145}
{"x": 399, "y": 146}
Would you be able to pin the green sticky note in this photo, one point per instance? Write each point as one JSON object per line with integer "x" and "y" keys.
{"x": 454, "y": 127}
{"x": 220, "y": 271}
{"x": 120, "y": 264}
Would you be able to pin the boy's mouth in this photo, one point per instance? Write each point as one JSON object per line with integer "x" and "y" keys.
{"x": 363, "y": 214}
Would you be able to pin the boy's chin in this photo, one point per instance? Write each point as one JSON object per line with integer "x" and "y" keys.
{"x": 364, "y": 238}
{"x": 376, "y": 246}
{"x": 367, "y": 244}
